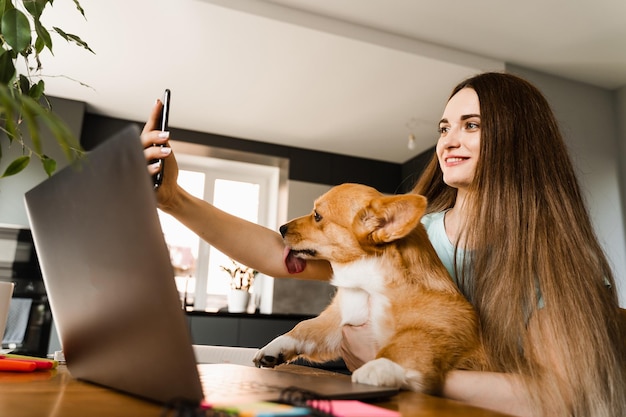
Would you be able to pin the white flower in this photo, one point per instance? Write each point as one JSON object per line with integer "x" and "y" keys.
{"x": 241, "y": 276}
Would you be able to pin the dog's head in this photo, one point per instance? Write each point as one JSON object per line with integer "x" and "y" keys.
{"x": 349, "y": 222}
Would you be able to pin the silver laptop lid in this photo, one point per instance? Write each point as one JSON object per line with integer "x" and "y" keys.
{"x": 107, "y": 273}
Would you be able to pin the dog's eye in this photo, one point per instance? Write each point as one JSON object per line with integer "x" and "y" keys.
{"x": 317, "y": 217}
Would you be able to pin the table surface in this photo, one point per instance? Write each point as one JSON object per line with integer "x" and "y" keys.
{"x": 56, "y": 393}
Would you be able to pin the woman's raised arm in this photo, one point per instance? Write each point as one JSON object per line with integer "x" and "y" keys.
{"x": 251, "y": 244}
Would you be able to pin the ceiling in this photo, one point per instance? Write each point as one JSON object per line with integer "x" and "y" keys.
{"x": 345, "y": 76}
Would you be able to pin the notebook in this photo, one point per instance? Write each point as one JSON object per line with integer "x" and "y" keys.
{"x": 107, "y": 272}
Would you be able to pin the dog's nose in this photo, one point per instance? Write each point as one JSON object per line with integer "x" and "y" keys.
{"x": 283, "y": 230}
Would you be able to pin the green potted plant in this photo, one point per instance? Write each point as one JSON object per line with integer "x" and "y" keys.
{"x": 23, "y": 104}
{"x": 241, "y": 282}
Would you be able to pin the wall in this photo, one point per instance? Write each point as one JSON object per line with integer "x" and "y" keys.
{"x": 12, "y": 189}
{"x": 620, "y": 115}
{"x": 589, "y": 123}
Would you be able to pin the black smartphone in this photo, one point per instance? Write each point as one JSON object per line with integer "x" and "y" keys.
{"x": 162, "y": 123}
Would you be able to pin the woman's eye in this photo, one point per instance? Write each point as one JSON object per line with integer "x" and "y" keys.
{"x": 317, "y": 217}
{"x": 472, "y": 125}
{"x": 442, "y": 129}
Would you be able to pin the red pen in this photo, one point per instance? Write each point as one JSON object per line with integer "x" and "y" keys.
{"x": 17, "y": 365}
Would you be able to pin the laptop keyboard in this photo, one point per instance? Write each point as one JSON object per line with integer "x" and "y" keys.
{"x": 214, "y": 387}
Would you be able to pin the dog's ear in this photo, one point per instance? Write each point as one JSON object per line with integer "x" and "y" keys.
{"x": 389, "y": 218}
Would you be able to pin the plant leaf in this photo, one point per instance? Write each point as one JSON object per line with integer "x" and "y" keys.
{"x": 7, "y": 68}
{"x": 16, "y": 166}
{"x": 5, "y": 5}
{"x": 64, "y": 136}
{"x": 24, "y": 84}
{"x": 49, "y": 165}
{"x": 35, "y": 7}
{"x": 43, "y": 35}
{"x": 36, "y": 91}
{"x": 9, "y": 107}
{"x": 30, "y": 118}
{"x": 16, "y": 30}
{"x": 78, "y": 7}
{"x": 72, "y": 38}
{"x": 39, "y": 45}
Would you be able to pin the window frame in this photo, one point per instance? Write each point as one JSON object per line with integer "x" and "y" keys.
{"x": 268, "y": 171}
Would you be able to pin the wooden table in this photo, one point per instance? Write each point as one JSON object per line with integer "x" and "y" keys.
{"x": 56, "y": 394}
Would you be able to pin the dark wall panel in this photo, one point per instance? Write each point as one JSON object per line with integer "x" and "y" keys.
{"x": 304, "y": 164}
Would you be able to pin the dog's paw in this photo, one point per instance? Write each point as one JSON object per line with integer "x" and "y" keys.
{"x": 381, "y": 372}
{"x": 278, "y": 351}
{"x": 267, "y": 361}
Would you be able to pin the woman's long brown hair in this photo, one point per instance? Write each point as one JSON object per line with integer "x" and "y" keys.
{"x": 535, "y": 259}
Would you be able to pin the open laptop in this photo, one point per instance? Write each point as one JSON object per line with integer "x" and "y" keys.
{"x": 111, "y": 287}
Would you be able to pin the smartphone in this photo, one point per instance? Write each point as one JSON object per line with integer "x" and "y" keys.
{"x": 162, "y": 123}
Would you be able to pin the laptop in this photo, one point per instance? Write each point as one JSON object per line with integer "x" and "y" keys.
{"x": 110, "y": 283}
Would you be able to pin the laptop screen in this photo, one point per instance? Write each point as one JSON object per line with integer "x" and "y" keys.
{"x": 108, "y": 274}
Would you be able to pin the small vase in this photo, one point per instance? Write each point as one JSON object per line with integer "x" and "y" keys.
{"x": 238, "y": 301}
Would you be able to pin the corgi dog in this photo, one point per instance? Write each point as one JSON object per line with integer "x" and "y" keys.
{"x": 386, "y": 272}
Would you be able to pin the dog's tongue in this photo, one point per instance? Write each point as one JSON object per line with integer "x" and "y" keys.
{"x": 292, "y": 262}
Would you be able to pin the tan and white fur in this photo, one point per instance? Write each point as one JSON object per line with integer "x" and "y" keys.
{"x": 386, "y": 271}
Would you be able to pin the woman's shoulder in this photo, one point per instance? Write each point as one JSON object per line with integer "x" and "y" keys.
{"x": 434, "y": 218}
{"x": 435, "y": 227}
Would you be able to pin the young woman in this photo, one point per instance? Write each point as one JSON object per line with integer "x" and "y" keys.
{"x": 507, "y": 218}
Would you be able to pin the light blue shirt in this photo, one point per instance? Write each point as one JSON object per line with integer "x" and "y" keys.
{"x": 435, "y": 227}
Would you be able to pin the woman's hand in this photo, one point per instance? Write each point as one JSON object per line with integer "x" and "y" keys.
{"x": 151, "y": 140}
{"x": 358, "y": 345}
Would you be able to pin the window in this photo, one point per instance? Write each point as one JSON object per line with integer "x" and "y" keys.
{"x": 248, "y": 186}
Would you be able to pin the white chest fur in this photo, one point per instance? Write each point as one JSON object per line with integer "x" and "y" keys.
{"x": 361, "y": 287}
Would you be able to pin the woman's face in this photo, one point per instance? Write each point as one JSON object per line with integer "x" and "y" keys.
{"x": 458, "y": 147}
